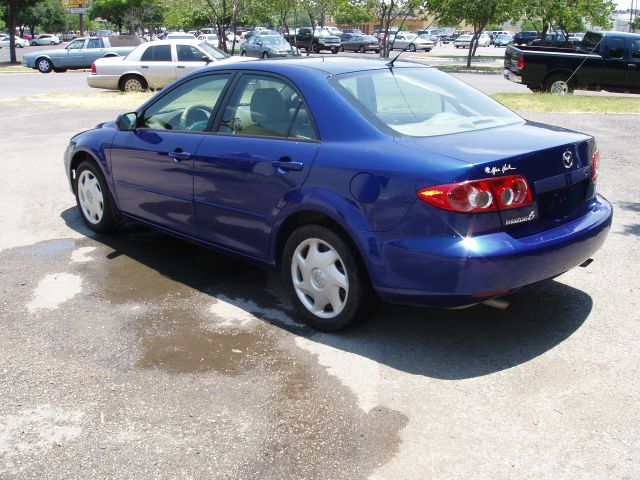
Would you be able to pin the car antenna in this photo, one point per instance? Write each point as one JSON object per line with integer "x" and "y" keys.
{"x": 390, "y": 64}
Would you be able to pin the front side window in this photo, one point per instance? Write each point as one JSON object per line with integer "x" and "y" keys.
{"x": 265, "y": 106}
{"x": 635, "y": 49}
{"x": 187, "y": 108}
{"x": 76, "y": 45}
{"x": 420, "y": 102}
{"x": 188, "y": 53}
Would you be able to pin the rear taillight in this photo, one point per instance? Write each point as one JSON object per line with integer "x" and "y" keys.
{"x": 93, "y": 68}
{"x": 595, "y": 159}
{"x": 521, "y": 62}
{"x": 501, "y": 193}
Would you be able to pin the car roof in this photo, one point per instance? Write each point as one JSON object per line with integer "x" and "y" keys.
{"x": 171, "y": 41}
{"x": 322, "y": 65}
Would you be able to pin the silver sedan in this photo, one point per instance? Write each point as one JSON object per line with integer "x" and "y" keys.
{"x": 154, "y": 65}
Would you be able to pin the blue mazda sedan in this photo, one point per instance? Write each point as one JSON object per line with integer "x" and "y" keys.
{"x": 359, "y": 180}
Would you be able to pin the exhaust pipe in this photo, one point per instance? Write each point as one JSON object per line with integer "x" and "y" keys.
{"x": 497, "y": 303}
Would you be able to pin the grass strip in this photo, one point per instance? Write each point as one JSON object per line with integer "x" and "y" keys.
{"x": 6, "y": 67}
{"x": 544, "y": 102}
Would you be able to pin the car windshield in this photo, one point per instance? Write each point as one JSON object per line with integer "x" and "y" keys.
{"x": 273, "y": 40}
{"x": 213, "y": 52}
{"x": 420, "y": 102}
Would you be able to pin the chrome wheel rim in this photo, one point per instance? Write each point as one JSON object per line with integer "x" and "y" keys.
{"x": 90, "y": 197}
{"x": 559, "y": 87}
{"x": 320, "y": 278}
{"x": 132, "y": 85}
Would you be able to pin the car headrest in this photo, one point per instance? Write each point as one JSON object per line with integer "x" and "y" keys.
{"x": 267, "y": 106}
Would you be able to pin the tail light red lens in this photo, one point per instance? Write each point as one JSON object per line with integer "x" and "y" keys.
{"x": 501, "y": 193}
{"x": 595, "y": 159}
{"x": 521, "y": 62}
{"x": 93, "y": 68}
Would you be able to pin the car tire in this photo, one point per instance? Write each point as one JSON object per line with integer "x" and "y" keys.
{"x": 243, "y": 53}
{"x": 33, "y": 44}
{"x": 44, "y": 65}
{"x": 558, "y": 85}
{"x": 265, "y": 55}
{"x": 412, "y": 48}
{"x": 377, "y": 51}
{"x": 133, "y": 83}
{"x": 334, "y": 50}
{"x": 331, "y": 293}
{"x": 59, "y": 70}
{"x": 315, "y": 48}
{"x": 362, "y": 49}
{"x": 94, "y": 200}
{"x": 18, "y": 45}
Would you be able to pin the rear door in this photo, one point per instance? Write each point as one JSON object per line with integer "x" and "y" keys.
{"x": 157, "y": 65}
{"x": 93, "y": 50}
{"x": 632, "y": 79}
{"x": 262, "y": 153}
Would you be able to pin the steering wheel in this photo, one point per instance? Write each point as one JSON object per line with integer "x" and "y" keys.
{"x": 195, "y": 117}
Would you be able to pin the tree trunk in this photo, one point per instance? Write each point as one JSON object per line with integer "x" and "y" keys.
{"x": 12, "y": 32}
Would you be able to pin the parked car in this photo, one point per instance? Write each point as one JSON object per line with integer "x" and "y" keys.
{"x": 604, "y": 61}
{"x": 556, "y": 40}
{"x": 211, "y": 38}
{"x": 525, "y": 38}
{"x": 45, "y": 39}
{"x": 20, "y": 42}
{"x": 502, "y": 40}
{"x": 354, "y": 31}
{"x": 267, "y": 46}
{"x": 333, "y": 31}
{"x": 81, "y": 53}
{"x": 180, "y": 36}
{"x": 464, "y": 41}
{"x": 314, "y": 41}
{"x": 411, "y": 42}
{"x": 456, "y": 200}
{"x": 68, "y": 36}
{"x": 154, "y": 65}
{"x": 359, "y": 43}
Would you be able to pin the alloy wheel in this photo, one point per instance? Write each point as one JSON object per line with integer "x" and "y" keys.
{"x": 90, "y": 197}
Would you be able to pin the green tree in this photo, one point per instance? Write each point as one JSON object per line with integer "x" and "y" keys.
{"x": 569, "y": 15}
{"x": 12, "y": 7}
{"x": 635, "y": 24}
{"x": 49, "y": 15}
{"x": 115, "y": 12}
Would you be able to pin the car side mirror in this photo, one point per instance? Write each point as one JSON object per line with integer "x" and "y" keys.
{"x": 206, "y": 58}
{"x": 259, "y": 44}
{"x": 127, "y": 122}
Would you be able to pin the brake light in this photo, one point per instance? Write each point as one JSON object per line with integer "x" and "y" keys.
{"x": 521, "y": 62}
{"x": 492, "y": 194}
{"x": 595, "y": 159}
{"x": 93, "y": 68}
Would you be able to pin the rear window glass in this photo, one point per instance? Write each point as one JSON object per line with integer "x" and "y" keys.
{"x": 591, "y": 42}
{"x": 421, "y": 102}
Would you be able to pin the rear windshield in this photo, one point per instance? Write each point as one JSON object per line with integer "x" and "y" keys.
{"x": 591, "y": 42}
{"x": 420, "y": 102}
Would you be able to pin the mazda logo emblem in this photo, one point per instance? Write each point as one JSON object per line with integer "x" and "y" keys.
{"x": 567, "y": 159}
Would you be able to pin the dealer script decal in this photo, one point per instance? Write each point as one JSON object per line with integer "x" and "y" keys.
{"x": 493, "y": 170}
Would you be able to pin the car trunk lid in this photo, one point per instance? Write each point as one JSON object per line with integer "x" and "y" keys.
{"x": 555, "y": 162}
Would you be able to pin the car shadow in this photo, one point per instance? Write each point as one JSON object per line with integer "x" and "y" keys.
{"x": 443, "y": 344}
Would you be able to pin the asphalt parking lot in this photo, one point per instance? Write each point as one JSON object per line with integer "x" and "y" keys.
{"x": 141, "y": 356}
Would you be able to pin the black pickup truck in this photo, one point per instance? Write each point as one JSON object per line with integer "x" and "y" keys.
{"x": 603, "y": 61}
{"x": 314, "y": 41}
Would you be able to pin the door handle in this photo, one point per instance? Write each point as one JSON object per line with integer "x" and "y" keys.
{"x": 632, "y": 65}
{"x": 285, "y": 163}
{"x": 179, "y": 155}
{"x": 181, "y": 66}
{"x": 144, "y": 66}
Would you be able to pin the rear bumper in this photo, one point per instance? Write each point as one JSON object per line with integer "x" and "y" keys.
{"x": 109, "y": 82}
{"x": 454, "y": 271}
{"x": 509, "y": 75}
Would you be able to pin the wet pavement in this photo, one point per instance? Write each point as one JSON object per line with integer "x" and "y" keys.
{"x": 138, "y": 355}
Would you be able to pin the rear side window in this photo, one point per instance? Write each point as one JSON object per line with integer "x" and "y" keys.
{"x": 158, "y": 53}
{"x": 188, "y": 53}
{"x": 591, "y": 42}
{"x": 94, "y": 43}
{"x": 616, "y": 48}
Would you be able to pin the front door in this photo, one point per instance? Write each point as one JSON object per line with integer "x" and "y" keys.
{"x": 264, "y": 149}
{"x": 74, "y": 55}
{"x": 152, "y": 166}
{"x": 189, "y": 59}
{"x": 615, "y": 64}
